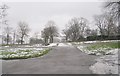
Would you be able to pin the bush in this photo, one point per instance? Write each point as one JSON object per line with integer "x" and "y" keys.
{"x": 102, "y": 37}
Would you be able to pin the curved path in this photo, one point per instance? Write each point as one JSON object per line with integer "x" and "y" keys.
{"x": 63, "y": 59}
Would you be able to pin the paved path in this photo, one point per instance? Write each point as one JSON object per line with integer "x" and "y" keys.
{"x": 63, "y": 59}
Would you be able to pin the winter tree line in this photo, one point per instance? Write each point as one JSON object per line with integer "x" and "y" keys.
{"x": 77, "y": 29}
{"x": 107, "y": 25}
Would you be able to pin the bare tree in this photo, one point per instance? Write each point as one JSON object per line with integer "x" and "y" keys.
{"x": 45, "y": 35}
{"x": 91, "y": 32}
{"x": 3, "y": 14}
{"x": 3, "y": 20}
{"x": 14, "y": 36}
{"x": 88, "y": 32}
{"x": 23, "y": 30}
{"x": 99, "y": 21}
{"x": 114, "y": 9}
{"x": 49, "y": 32}
{"x": 94, "y": 32}
{"x": 52, "y": 30}
{"x": 106, "y": 24}
{"x": 76, "y": 28}
{"x": 67, "y": 33}
{"x": 111, "y": 27}
{"x": 7, "y": 32}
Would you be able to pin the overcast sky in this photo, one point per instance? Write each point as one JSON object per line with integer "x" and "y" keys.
{"x": 37, "y": 14}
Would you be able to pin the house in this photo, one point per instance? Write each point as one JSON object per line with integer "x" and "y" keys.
{"x": 56, "y": 39}
{"x": 59, "y": 39}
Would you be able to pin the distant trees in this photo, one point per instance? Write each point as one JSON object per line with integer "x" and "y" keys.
{"x": 91, "y": 32}
{"x": 94, "y": 32}
{"x": 14, "y": 36}
{"x": 36, "y": 41}
{"x": 99, "y": 22}
{"x": 49, "y": 32}
{"x": 106, "y": 24}
{"x": 6, "y": 29}
{"x": 111, "y": 27}
{"x": 67, "y": 33}
{"x": 76, "y": 29}
{"x": 52, "y": 29}
{"x": 23, "y": 31}
{"x": 18, "y": 41}
{"x": 7, "y": 32}
{"x": 45, "y": 35}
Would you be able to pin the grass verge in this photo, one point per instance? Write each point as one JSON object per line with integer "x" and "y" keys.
{"x": 100, "y": 48}
{"x": 23, "y": 54}
{"x": 112, "y": 45}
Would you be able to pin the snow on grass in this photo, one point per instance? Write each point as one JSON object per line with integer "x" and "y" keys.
{"x": 110, "y": 41}
{"x": 77, "y": 43}
{"x": 99, "y": 51}
{"x": 24, "y": 45}
{"x": 35, "y": 45}
{"x": 22, "y": 53}
{"x": 107, "y": 64}
{"x": 104, "y": 68}
{"x": 90, "y": 42}
{"x": 98, "y": 48}
{"x": 16, "y": 49}
{"x": 69, "y": 44}
{"x": 59, "y": 44}
{"x": 62, "y": 44}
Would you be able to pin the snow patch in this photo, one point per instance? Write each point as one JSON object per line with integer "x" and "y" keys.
{"x": 62, "y": 44}
{"x": 69, "y": 44}
{"x": 90, "y": 42}
{"x": 104, "y": 68}
{"x": 107, "y": 64}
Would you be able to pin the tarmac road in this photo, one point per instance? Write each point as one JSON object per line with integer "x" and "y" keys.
{"x": 65, "y": 59}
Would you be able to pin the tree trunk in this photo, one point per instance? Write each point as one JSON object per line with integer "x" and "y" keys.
{"x": 46, "y": 40}
{"x": 66, "y": 38}
{"x": 51, "y": 39}
{"x": 13, "y": 38}
{"x": 7, "y": 39}
{"x": 21, "y": 40}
